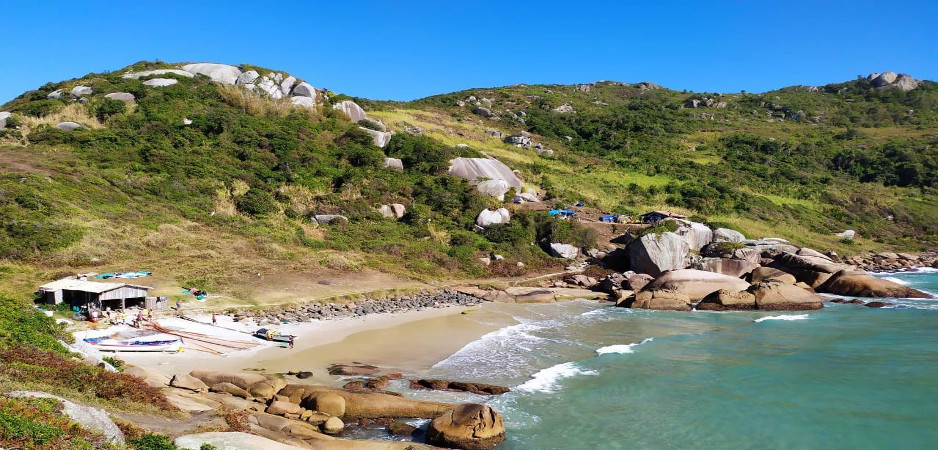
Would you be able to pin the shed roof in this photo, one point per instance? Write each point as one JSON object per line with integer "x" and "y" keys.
{"x": 72, "y": 284}
{"x": 665, "y": 214}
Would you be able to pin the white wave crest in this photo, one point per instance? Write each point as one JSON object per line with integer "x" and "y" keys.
{"x": 896, "y": 280}
{"x": 789, "y": 317}
{"x": 621, "y": 348}
{"x": 548, "y": 380}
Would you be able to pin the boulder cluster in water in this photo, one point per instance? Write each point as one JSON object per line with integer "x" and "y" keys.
{"x": 387, "y": 304}
{"x": 696, "y": 267}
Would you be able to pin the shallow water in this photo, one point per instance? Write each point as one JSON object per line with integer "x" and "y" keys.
{"x": 588, "y": 376}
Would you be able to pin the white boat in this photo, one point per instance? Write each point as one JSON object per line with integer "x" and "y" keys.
{"x": 135, "y": 345}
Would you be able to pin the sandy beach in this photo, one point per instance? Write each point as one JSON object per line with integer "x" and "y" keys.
{"x": 408, "y": 342}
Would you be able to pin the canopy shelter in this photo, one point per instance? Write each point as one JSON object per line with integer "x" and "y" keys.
{"x": 79, "y": 293}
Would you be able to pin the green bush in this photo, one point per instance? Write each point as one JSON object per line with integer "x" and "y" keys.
{"x": 257, "y": 203}
{"x": 22, "y": 324}
{"x": 152, "y": 441}
{"x": 41, "y": 108}
{"x": 13, "y": 122}
{"x": 108, "y": 107}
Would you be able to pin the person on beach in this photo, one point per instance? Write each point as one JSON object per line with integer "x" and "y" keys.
{"x": 214, "y": 320}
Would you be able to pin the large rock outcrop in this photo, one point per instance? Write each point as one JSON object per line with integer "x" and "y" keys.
{"x": 358, "y": 404}
{"x": 727, "y": 235}
{"x": 566, "y": 251}
{"x": 230, "y": 440}
{"x": 769, "y": 273}
{"x": 394, "y": 163}
{"x": 725, "y": 300}
{"x": 809, "y": 269}
{"x": 775, "y": 295}
{"x": 380, "y": 138}
{"x": 892, "y": 79}
{"x": 656, "y": 253}
{"x": 726, "y": 266}
{"x": 493, "y": 188}
{"x": 770, "y": 247}
{"x": 150, "y": 73}
{"x": 470, "y": 426}
{"x": 160, "y": 82}
{"x": 696, "y": 284}
{"x": 488, "y": 217}
{"x": 351, "y": 109}
{"x": 660, "y": 299}
{"x": 219, "y": 73}
{"x": 861, "y": 284}
{"x": 480, "y": 169}
{"x": 697, "y": 235}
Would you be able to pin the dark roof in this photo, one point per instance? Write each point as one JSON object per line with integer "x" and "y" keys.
{"x": 665, "y": 214}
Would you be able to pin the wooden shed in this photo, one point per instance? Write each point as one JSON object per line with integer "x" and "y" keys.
{"x": 79, "y": 293}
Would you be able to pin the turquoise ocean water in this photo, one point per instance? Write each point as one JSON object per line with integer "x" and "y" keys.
{"x": 586, "y": 376}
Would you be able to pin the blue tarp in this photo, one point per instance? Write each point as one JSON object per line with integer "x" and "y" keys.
{"x": 561, "y": 212}
{"x": 609, "y": 218}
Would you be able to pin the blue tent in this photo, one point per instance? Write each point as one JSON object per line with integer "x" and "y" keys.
{"x": 561, "y": 212}
{"x": 610, "y": 218}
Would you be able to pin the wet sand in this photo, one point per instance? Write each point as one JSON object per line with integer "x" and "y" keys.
{"x": 408, "y": 342}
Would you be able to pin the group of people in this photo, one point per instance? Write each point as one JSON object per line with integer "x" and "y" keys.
{"x": 122, "y": 316}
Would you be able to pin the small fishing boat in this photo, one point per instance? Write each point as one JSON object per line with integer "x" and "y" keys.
{"x": 135, "y": 345}
{"x": 274, "y": 335}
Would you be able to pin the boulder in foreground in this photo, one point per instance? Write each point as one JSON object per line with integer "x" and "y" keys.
{"x": 470, "y": 426}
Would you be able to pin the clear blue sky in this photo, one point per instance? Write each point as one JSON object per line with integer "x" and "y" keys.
{"x": 409, "y": 49}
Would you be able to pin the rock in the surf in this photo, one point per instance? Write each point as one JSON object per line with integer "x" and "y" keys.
{"x": 861, "y": 284}
{"x": 470, "y": 426}
{"x": 775, "y": 295}
{"x": 696, "y": 284}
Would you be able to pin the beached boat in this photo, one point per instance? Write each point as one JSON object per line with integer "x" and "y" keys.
{"x": 135, "y": 345}
{"x": 274, "y": 335}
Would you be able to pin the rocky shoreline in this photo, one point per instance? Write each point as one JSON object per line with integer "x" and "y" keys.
{"x": 894, "y": 262}
{"x": 385, "y": 304}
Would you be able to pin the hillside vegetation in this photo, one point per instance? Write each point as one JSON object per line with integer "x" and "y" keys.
{"x": 211, "y": 184}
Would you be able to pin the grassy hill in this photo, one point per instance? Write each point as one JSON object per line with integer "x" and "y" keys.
{"x": 209, "y": 185}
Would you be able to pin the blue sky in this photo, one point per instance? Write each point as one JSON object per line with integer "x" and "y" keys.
{"x": 409, "y": 49}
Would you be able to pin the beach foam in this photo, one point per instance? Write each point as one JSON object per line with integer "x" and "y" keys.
{"x": 788, "y": 317}
{"x": 548, "y": 380}
{"x": 896, "y": 280}
{"x": 622, "y": 348}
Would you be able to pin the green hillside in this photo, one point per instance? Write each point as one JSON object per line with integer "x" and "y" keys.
{"x": 210, "y": 184}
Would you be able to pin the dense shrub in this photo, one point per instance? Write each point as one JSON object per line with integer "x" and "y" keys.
{"x": 25, "y": 362}
{"x": 257, "y": 203}
{"x": 108, "y": 107}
